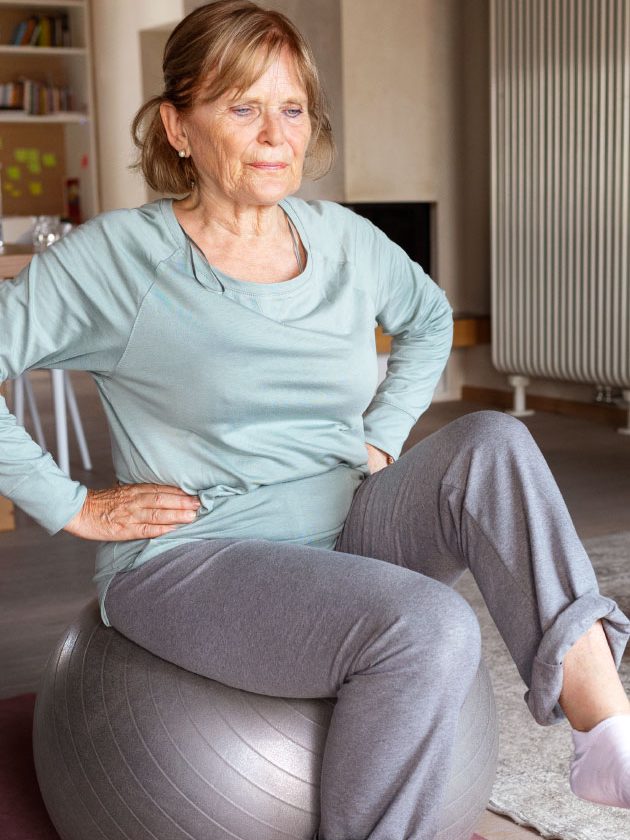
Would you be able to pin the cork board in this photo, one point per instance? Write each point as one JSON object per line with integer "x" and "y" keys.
{"x": 7, "y": 521}
{"x": 33, "y": 169}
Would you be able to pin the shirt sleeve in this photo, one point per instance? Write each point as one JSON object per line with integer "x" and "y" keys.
{"x": 415, "y": 312}
{"x": 57, "y": 313}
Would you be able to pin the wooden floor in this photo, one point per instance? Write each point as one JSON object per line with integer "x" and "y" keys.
{"x": 45, "y": 580}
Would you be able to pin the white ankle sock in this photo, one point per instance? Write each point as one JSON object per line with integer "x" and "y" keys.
{"x": 600, "y": 770}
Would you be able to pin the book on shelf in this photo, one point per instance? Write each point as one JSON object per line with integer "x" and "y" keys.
{"x": 11, "y": 95}
{"x": 43, "y": 31}
{"x": 32, "y": 41}
{"x": 61, "y": 31}
{"x": 27, "y": 33}
{"x": 18, "y": 33}
{"x": 35, "y": 98}
{"x": 44, "y": 38}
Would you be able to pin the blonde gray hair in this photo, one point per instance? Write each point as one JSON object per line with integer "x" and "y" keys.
{"x": 223, "y": 46}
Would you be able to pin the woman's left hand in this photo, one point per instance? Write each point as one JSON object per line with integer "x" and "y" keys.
{"x": 377, "y": 459}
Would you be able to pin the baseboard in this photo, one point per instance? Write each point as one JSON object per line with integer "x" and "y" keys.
{"x": 609, "y": 415}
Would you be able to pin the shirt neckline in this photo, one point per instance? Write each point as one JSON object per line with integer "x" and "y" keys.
{"x": 244, "y": 287}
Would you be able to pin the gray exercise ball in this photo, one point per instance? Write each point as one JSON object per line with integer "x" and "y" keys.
{"x": 127, "y": 745}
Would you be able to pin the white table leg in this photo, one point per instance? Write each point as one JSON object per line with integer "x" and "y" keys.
{"x": 61, "y": 427}
{"x": 32, "y": 407}
{"x": 18, "y": 399}
{"x": 76, "y": 422}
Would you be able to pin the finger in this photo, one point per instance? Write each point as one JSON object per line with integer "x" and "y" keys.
{"x": 170, "y": 488}
{"x": 134, "y": 518}
{"x": 161, "y": 499}
{"x": 164, "y": 516}
{"x": 141, "y": 530}
{"x": 145, "y": 487}
{"x": 148, "y": 531}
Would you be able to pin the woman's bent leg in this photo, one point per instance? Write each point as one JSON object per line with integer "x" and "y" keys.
{"x": 398, "y": 650}
{"x": 479, "y": 494}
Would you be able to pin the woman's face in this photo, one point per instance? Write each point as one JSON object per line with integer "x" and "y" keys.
{"x": 252, "y": 147}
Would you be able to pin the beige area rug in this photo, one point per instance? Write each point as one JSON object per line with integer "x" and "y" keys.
{"x": 532, "y": 778}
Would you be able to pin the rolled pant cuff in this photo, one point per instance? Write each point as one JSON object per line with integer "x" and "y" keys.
{"x": 571, "y": 623}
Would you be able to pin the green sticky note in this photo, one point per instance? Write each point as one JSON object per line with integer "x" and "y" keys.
{"x": 35, "y": 187}
{"x": 21, "y": 155}
{"x": 13, "y": 172}
{"x": 33, "y": 167}
{"x": 49, "y": 159}
{"x": 32, "y": 154}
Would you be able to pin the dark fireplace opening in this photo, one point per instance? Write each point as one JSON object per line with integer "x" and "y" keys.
{"x": 408, "y": 223}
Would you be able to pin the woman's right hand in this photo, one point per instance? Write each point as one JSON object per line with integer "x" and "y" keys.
{"x": 133, "y": 512}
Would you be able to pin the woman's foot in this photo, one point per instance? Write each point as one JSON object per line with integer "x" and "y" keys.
{"x": 600, "y": 770}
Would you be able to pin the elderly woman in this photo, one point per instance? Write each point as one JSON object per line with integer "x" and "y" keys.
{"x": 264, "y": 531}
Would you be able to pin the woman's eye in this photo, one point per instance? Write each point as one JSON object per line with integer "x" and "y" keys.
{"x": 293, "y": 112}
{"x": 243, "y": 111}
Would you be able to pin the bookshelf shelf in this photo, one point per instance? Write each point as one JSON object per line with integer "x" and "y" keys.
{"x": 42, "y": 4}
{"x": 43, "y": 51}
{"x": 8, "y": 116}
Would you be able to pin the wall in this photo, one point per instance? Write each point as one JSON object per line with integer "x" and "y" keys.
{"x": 416, "y": 104}
{"x": 118, "y": 89}
{"x": 416, "y": 117}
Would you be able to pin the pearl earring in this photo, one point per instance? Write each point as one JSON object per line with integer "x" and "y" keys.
{"x": 182, "y": 153}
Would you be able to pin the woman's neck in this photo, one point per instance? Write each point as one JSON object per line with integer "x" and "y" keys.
{"x": 213, "y": 217}
{"x": 253, "y": 243}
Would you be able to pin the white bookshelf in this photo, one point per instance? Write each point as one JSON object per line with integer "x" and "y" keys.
{"x": 67, "y": 66}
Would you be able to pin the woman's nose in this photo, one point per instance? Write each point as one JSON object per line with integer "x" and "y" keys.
{"x": 272, "y": 131}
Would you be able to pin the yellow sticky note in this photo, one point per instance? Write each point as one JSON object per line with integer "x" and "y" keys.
{"x": 49, "y": 159}
{"x": 33, "y": 167}
{"x": 13, "y": 172}
{"x": 21, "y": 155}
{"x": 35, "y": 187}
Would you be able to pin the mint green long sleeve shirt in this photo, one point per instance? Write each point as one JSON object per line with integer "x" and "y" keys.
{"x": 259, "y": 398}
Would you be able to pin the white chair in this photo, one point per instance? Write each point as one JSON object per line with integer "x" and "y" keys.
{"x": 63, "y": 398}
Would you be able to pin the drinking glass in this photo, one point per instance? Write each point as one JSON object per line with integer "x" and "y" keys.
{"x": 47, "y": 229}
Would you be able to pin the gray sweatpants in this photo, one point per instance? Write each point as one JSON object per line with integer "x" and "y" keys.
{"x": 375, "y": 622}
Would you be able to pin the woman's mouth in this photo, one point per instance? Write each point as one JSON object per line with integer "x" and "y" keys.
{"x": 269, "y": 166}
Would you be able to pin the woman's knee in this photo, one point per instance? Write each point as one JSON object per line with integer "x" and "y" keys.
{"x": 495, "y": 428}
{"x": 456, "y": 632}
{"x": 438, "y": 626}
{"x": 493, "y": 435}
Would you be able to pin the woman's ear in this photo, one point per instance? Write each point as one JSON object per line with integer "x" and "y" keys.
{"x": 173, "y": 126}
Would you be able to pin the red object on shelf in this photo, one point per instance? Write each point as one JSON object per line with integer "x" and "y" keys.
{"x": 73, "y": 201}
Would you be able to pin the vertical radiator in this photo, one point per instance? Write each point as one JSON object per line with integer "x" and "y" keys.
{"x": 560, "y": 104}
